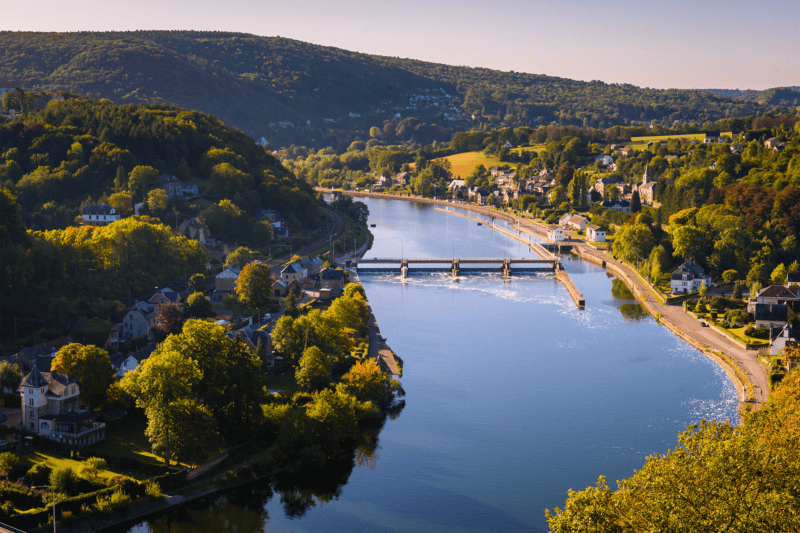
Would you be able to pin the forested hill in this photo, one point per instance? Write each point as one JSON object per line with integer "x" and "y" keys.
{"x": 254, "y": 83}
{"x": 777, "y": 96}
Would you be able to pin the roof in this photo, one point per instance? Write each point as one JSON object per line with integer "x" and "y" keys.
{"x": 308, "y": 262}
{"x": 331, "y": 273}
{"x": 690, "y": 267}
{"x": 772, "y": 312}
{"x": 98, "y": 210}
{"x": 577, "y": 219}
{"x": 292, "y": 268}
{"x": 777, "y": 291}
{"x": 56, "y": 383}
{"x": 608, "y": 181}
{"x": 169, "y": 294}
{"x": 788, "y": 333}
{"x": 168, "y": 178}
{"x": 144, "y": 353}
{"x": 592, "y": 227}
{"x": 34, "y": 379}
{"x": 56, "y": 345}
{"x": 269, "y": 213}
{"x": 144, "y": 308}
{"x": 73, "y": 417}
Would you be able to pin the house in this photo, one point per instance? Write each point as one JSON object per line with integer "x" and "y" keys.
{"x": 292, "y": 272}
{"x": 603, "y": 184}
{"x": 171, "y": 184}
{"x": 224, "y": 314}
{"x": 577, "y": 222}
{"x": 331, "y": 278}
{"x": 606, "y": 160}
{"x": 595, "y": 234}
{"x": 622, "y": 206}
{"x": 192, "y": 229}
{"x": 313, "y": 265}
{"x": 770, "y": 316}
{"x": 190, "y": 190}
{"x": 225, "y": 281}
{"x": 564, "y": 219}
{"x": 272, "y": 215}
{"x": 280, "y": 234}
{"x": 555, "y": 234}
{"x": 627, "y": 151}
{"x": 787, "y": 337}
{"x": 99, "y": 215}
{"x": 403, "y": 179}
{"x": 217, "y": 251}
{"x": 710, "y": 139}
{"x": 385, "y": 181}
{"x": 772, "y": 142}
{"x": 689, "y": 277}
{"x": 50, "y": 409}
{"x": 777, "y": 294}
{"x": 139, "y": 320}
{"x": 508, "y": 145}
{"x": 124, "y": 363}
{"x": 280, "y": 288}
{"x": 164, "y": 296}
{"x": 793, "y": 278}
{"x": 736, "y": 148}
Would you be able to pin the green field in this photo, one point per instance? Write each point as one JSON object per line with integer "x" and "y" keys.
{"x": 654, "y": 138}
{"x": 464, "y": 164}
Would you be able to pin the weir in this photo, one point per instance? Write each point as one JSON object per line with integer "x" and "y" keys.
{"x": 456, "y": 266}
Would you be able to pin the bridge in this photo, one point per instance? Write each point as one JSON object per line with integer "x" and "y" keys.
{"x": 458, "y": 265}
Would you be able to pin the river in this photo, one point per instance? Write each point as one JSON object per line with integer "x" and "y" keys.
{"x": 513, "y": 396}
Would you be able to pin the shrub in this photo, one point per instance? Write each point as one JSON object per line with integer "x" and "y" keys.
{"x": 9, "y": 465}
{"x": 106, "y": 504}
{"x": 92, "y": 466}
{"x": 64, "y": 479}
{"x": 38, "y": 474}
{"x": 153, "y": 490}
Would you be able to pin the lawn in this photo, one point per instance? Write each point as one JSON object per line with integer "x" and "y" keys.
{"x": 656, "y": 138}
{"x": 125, "y": 438}
{"x": 535, "y": 148}
{"x": 464, "y": 164}
{"x": 201, "y": 203}
{"x": 54, "y": 460}
{"x": 283, "y": 382}
{"x": 739, "y": 334}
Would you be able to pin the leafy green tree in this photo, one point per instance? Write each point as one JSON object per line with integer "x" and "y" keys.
{"x": 241, "y": 257}
{"x": 142, "y": 178}
{"x": 314, "y": 371}
{"x": 9, "y": 463}
{"x": 375, "y": 132}
{"x": 168, "y": 321}
{"x": 737, "y": 291}
{"x": 163, "y": 380}
{"x": 194, "y": 432}
{"x": 729, "y": 276}
{"x": 122, "y": 202}
{"x": 91, "y": 366}
{"x": 197, "y": 283}
{"x": 10, "y": 376}
{"x": 121, "y": 180}
{"x": 779, "y": 275}
{"x": 636, "y": 202}
{"x": 688, "y": 241}
{"x": 557, "y": 195}
{"x": 794, "y": 267}
{"x": 157, "y": 201}
{"x": 92, "y": 466}
{"x": 64, "y": 480}
{"x": 633, "y": 242}
{"x": 263, "y": 232}
{"x": 199, "y": 306}
{"x": 254, "y": 286}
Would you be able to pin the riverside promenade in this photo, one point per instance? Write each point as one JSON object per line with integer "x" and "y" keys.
{"x": 741, "y": 365}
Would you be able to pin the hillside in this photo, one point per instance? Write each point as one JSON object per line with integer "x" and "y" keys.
{"x": 294, "y": 92}
{"x": 777, "y": 96}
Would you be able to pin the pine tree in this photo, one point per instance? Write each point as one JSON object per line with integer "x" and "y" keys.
{"x": 636, "y": 202}
{"x": 121, "y": 181}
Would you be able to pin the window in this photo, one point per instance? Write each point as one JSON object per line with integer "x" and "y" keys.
{"x": 73, "y": 389}
{"x": 30, "y": 391}
{"x": 45, "y": 426}
{"x": 32, "y": 426}
{"x": 31, "y": 414}
{"x": 30, "y": 402}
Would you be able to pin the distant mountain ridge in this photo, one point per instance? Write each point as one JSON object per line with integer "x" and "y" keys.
{"x": 295, "y": 92}
{"x": 777, "y": 96}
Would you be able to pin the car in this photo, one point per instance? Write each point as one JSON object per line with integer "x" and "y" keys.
{"x": 266, "y": 317}
{"x": 703, "y": 324}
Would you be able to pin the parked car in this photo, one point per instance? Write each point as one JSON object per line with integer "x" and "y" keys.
{"x": 703, "y": 324}
{"x": 266, "y": 317}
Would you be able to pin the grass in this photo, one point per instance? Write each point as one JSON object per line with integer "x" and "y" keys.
{"x": 464, "y": 164}
{"x": 283, "y": 382}
{"x": 55, "y": 460}
{"x": 125, "y": 438}
{"x": 535, "y": 148}
{"x": 655, "y": 138}
{"x": 201, "y": 203}
{"x": 739, "y": 334}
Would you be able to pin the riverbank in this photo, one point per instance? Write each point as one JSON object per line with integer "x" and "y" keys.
{"x": 741, "y": 365}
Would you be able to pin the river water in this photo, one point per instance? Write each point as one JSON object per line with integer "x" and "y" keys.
{"x": 513, "y": 397}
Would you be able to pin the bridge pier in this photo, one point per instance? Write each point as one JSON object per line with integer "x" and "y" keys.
{"x": 404, "y": 268}
{"x": 455, "y": 267}
{"x": 507, "y": 267}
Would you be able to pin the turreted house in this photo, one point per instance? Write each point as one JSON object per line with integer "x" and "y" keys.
{"x": 50, "y": 409}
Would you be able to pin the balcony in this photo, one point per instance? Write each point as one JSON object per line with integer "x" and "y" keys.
{"x": 82, "y": 431}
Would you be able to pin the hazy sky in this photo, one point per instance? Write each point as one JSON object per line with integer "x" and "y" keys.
{"x": 721, "y": 44}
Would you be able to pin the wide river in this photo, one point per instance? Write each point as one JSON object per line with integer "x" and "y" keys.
{"x": 513, "y": 396}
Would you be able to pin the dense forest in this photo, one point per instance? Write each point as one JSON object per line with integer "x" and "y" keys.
{"x": 71, "y": 151}
{"x": 294, "y": 92}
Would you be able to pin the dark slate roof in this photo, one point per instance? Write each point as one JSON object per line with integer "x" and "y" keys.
{"x": 98, "y": 210}
{"x": 777, "y": 291}
{"x": 690, "y": 267}
{"x": 772, "y": 312}
{"x": 167, "y": 178}
{"x": 292, "y": 268}
{"x": 269, "y": 213}
{"x": 332, "y": 273}
{"x": 281, "y": 231}
{"x": 43, "y": 362}
{"x": 35, "y": 379}
{"x": 144, "y": 353}
{"x": 609, "y": 181}
{"x": 75, "y": 417}
{"x": 611, "y": 203}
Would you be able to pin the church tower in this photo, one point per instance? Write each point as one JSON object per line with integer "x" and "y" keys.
{"x": 647, "y": 176}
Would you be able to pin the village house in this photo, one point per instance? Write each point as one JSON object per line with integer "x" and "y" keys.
{"x": 777, "y": 294}
{"x": 124, "y": 363}
{"x": 225, "y": 281}
{"x": 555, "y": 234}
{"x": 736, "y": 148}
{"x": 313, "y": 265}
{"x": 771, "y": 316}
{"x": 273, "y": 216}
{"x": 772, "y": 142}
{"x": 689, "y": 277}
{"x": 575, "y": 222}
{"x": 164, "y": 296}
{"x": 402, "y": 179}
{"x": 50, "y": 409}
{"x": 622, "y": 206}
{"x": 331, "y": 283}
{"x": 293, "y": 272}
{"x": 99, "y": 215}
{"x": 787, "y": 337}
{"x": 171, "y": 184}
{"x": 280, "y": 234}
{"x": 602, "y": 185}
{"x": 595, "y": 234}
{"x": 193, "y": 229}
{"x": 606, "y": 160}
{"x": 627, "y": 152}
{"x": 189, "y": 190}
{"x": 139, "y": 320}
{"x": 217, "y": 251}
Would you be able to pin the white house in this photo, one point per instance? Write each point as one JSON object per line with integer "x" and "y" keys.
{"x": 139, "y": 320}
{"x": 555, "y": 233}
{"x": 689, "y": 277}
{"x": 292, "y": 272}
{"x": 99, "y": 215}
{"x": 124, "y": 363}
{"x": 595, "y": 234}
{"x": 606, "y": 160}
{"x": 576, "y": 222}
{"x": 50, "y": 409}
{"x": 787, "y": 337}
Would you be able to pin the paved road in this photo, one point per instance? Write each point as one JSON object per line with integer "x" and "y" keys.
{"x": 336, "y": 230}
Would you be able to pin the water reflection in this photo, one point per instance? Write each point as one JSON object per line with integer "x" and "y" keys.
{"x": 620, "y": 290}
{"x": 635, "y": 312}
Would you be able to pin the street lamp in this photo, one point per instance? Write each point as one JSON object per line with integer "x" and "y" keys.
{"x": 51, "y": 487}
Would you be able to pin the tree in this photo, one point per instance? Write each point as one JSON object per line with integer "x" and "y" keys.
{"x": 10, "y": 376}
{"x": 195, "y": 432}
{"x": 199, "y": 306}
{"x": 159, "y": 385}
{"x": 314, "y": 371}
{"x": 91, "y": 366}
{"x": 122, "y": 202}
{"x": 779, "y": 275}
{"x": 375, "y": 132}
{"x": 121, "y": 180}
{"x": 557, "y": 195}
{"x": 197, "y": 283}
{"x": 688, "y": 241}
{"x": 737, "y": 291}
{"x": 9, "y": 463}
{"x": 262, "y": 232}
{"x": 157, "y": 201}
{"x": 794, "y": 267}
{"x": 636, "y": 202}
{"x": 240, "y": 257}
{"x": 290, "y": 305}
{"x": 141, "y": 179}
{"x": 729, "y": 276}
{"x": 633, "y": 242}
{"x": 254, "y": 286}
{"x": 168, "y": 321}
{"x": 92, "y": 466}
{"x": 64, "y": 480}
{"x": 367, "y": 382}
{"x": 790, "y": 355}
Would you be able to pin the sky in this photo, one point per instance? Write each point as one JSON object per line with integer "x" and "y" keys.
{"x": 734, "y": 44}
